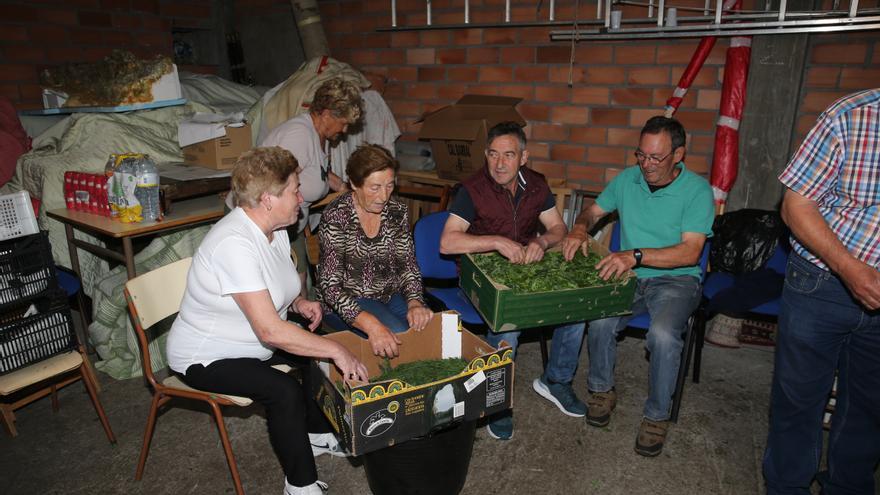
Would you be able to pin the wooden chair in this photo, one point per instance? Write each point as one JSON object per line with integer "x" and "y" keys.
{"x": 152, "y": 297}
{"x": 45, "y": 378}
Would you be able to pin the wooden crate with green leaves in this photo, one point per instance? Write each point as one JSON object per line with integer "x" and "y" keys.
{"x": 550, "y": 292}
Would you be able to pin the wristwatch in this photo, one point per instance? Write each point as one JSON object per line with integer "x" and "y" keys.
{"x": 637, "y": 254}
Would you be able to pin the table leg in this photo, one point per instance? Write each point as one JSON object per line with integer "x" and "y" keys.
{"x": 128, "y": 252}
{"x": 80, "y": 296}
{"x": 71, "y": 250}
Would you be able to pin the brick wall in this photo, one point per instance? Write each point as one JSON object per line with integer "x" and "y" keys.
{"x": 837, "y": 65}
{"x": 584, "y": 133}
{"x": 41, "y": 33}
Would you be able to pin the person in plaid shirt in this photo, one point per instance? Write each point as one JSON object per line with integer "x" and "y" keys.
{"x": 830, "y": 318}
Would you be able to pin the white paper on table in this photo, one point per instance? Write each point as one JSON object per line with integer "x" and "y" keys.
{"x": 204, "y": 126}
{"x": 450, "y": 342}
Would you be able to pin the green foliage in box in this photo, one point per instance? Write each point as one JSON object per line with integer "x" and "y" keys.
{"x": 549, "y": 274}
{"x": 421, "y": 372}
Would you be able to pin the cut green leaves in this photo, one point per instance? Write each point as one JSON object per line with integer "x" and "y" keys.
{"x": 550, "y": 274}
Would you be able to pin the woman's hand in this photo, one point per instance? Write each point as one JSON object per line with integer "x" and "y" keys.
{"x": 310, "y": 310}
{"x": 351, "y": 368}
{"x": 418, "y": 315}
{"x": 382, "y": 340}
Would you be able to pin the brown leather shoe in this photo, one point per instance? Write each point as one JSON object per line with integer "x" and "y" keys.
{"x": 652, "y": 434}
{"x": 599, "y": 407}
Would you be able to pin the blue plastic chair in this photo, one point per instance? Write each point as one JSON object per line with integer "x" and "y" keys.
{"x": 718, "y": 281}
{"x": 435, "y": 266}
{"x": 692, "y": 348}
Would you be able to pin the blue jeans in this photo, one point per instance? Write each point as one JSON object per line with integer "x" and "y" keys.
{"x": 392, "y": 314}
{"x": 821, "y": 328}
{"x": 564, "y": 350}
{"x": 669, "y": 300}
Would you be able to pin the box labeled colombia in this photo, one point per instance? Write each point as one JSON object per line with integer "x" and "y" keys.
{"x": 221, "y": 152}
{"x": 458, "y": 132}
{"x": 371, "y": 416}
{"x": 503, "y": 309}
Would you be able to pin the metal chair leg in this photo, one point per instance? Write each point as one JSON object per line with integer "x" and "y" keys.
{"x": 93, "y": 393}
{"x": 148, "y": 436}
{"x": 682, "y": 370}
{"x": 227, "y": 448}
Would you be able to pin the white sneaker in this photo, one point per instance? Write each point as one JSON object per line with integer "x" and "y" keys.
{"x": 326, "y": 443}
{"x": 316, "y": 488}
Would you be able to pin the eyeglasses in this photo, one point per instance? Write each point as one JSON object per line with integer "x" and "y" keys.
{"x": 642, "y": 158}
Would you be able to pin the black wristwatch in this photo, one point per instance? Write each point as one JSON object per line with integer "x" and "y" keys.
{"x": 637, "y": 254}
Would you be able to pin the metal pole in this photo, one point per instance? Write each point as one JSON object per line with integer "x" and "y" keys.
{"x": 607, "y": 13}
{"x": 506, "y": 10}
{"x": 706, "y": 8}
{"x": 552, "y": 10}
{"x": 718, "y": 8}
{"x": 467, "y": 12}
{"x": 782, "y": 10}
{"x": 429, "y": 12}
{"x": 650, "y": 8}
{"x": 853, "y": 8}
{"x": 660, "y": 11}
{"x": 394, "y": 13}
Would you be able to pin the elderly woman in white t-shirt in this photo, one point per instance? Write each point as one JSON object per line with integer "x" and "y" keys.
{"x": 232, "y": 324}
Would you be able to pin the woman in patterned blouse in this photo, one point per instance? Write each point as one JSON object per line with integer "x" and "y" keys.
{"x": 368, "y": 279}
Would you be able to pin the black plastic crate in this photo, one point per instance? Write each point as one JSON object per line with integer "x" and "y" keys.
{"x": 26, "y": 340}
{"x": 27, "y": 269}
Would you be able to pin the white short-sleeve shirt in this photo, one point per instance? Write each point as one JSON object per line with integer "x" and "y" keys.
{"x": 234, "y": 257}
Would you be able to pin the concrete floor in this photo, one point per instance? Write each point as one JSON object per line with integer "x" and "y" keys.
{"x": 716, "y": 447}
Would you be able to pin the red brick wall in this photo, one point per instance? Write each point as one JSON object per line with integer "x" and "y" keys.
{"x": 837, "y": 65}
{"x": 585, "y": 133}
{"x": 40, "y": 33}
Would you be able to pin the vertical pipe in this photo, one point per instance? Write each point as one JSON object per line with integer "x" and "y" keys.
{"x": 393, "y": 13}
{"x": 650, "y": 8}
{"x": 718, "y": 7}
{"x": 506, "y": 10}
{"x": 782, "y": 7}
{"x": 607, "y": 12}
{"x": 467, "y": 11}
{"x": 552, "y": 10}
{"x": 706, "y": 8}
{"x": 660, "y": 11}
{"x": 429, "y": 12}
{"x": 853, "y": 8}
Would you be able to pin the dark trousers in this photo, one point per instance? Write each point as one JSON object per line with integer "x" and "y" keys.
{"x": 291, "y": 413}
{"x": 821, "y": 328}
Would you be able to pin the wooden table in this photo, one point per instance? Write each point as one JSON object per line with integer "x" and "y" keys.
{"x": 185, "y": 214}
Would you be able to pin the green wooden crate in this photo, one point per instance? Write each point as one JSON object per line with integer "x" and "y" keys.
{"x": 504, "y": 310}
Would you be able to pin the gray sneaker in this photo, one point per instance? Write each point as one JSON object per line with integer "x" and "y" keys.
{"x": 562, "y": 395}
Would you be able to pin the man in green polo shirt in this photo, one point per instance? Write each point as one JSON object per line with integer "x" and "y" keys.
{"x": 666, "y": 213}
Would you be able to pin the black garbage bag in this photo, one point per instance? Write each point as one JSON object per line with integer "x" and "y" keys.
{"x": 436, "y": 464}
{"x": 744, "y": 240}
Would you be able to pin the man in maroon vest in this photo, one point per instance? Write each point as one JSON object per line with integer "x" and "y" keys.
{"x": 500, "y": 208}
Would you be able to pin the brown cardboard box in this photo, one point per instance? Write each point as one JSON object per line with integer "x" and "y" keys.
{"x": 458, "y": 132}
{"x": 222, "y": 152}
{"x": 374, "y": 415}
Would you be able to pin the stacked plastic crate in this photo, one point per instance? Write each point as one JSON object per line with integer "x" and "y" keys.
{"x": 35, "y": 321}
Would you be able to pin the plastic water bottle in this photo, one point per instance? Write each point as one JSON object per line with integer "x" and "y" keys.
{"x": 147, "y": 190}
